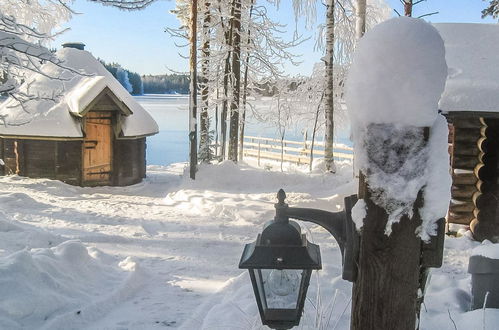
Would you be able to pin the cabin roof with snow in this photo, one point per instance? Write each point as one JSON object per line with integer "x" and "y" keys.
{"x": 472, "y": 55}
{"x": 60, "y": 102}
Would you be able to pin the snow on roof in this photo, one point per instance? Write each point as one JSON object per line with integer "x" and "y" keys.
{"x": 60, "y": 102}
{"x": 472, "y": 55}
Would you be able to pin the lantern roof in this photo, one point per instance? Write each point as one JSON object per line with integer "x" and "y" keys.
{"x": 281, "y": 246}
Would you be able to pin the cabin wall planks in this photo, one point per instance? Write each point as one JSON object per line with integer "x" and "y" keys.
{"x": 62, "y": 160}
{"x": 130, "y": 161}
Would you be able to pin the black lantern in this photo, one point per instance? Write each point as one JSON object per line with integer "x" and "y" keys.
{"x": 280, "y": 263}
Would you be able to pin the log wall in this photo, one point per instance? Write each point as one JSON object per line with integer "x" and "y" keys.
{"x": 464, "y": 158}
{"x": 59, "y": 160}
{"x": 129, "y": 161}
{"x": 485, "y": 224}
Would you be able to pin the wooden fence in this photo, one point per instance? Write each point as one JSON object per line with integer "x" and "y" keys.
{"x": 293, "y": 151}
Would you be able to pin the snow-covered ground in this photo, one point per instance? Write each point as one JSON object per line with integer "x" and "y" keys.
{"x": 165, "y": 253}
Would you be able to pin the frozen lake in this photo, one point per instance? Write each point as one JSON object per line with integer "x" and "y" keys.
{"x": 171, "y": 145}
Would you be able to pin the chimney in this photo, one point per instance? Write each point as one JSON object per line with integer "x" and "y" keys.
{"x": 75, "y": 45}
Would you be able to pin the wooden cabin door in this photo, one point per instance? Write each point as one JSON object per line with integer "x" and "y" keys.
{"x": 98, "y": 148}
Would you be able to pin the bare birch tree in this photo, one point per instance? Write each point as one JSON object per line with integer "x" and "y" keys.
{"x": 193, "y": 159}
{"x": 360, "y": 18}
{"x": 205, "y": 154}
{"x": 328, "y": 91}
{"x": 236, "y": 80}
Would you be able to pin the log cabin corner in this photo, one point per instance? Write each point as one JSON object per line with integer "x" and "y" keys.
{"x": 471, "y": 104}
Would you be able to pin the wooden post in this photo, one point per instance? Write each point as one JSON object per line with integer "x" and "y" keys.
{"x": 258, "y": 153}
{"x": 193, "y": 156}
{"x": 384, "y": 295}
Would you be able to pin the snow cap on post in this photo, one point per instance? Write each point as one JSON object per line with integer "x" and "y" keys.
{"x": 398, "y": 74}
{"x": 394, "y": 85}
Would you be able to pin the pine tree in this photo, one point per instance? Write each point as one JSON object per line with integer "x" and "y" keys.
{"x": 122, "y": 77}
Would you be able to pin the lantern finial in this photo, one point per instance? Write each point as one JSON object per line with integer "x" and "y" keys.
{"x": 281, "y": 196}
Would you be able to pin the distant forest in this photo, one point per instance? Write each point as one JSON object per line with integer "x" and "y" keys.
{"x": 166, "y": 84}
{"x": 136, "y": 84}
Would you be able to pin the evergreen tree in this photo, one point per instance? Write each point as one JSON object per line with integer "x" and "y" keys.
{"x": 134, "y": 85}
{"x": 136, "y": 82}
{"x": 122, "y": 76}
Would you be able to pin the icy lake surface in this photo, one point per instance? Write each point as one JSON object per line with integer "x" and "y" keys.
{"x": 171, "y": 144}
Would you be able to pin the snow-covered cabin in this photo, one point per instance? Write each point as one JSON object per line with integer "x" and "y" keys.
{"x": 471, "y": 104}
{"x": 79, "y": 126}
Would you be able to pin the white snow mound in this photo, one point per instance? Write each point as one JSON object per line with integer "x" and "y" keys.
{"x": 398, "y": 74}
{"x": 39, "y": 286}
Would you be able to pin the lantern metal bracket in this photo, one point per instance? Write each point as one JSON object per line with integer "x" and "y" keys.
{"x": 338, "y": 224}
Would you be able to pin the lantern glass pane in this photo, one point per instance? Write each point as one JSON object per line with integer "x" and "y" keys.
{"x": 281, "y": 287}
{"x": 260, "y": 287}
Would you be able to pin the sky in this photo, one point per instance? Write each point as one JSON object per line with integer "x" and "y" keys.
{"x": 138, "y": 41}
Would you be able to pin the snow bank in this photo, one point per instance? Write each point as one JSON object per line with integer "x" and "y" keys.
{"x": 393, "y": 87}
{"x": 245, "y": 194}
{"x": 39, "y": 285}
{"x": 181, "y": 253}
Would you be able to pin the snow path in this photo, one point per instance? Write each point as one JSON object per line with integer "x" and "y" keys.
{"x": 185, "y": 237}
{"x": 164, "y": 253}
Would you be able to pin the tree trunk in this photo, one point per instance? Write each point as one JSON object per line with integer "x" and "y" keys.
{"x": 227, "y": 69}
{"x": 236, "y": 86}
{"x": 245, "y": 91}
{"x": 314, "y": 131}
{"x": 204, "y": 120}
{"x": 193, "y": 157}
{"x": 360, "y": 22}
{"x": 329, "y": 89}
{"x": 408, "y": 8}
{"x": 385, "y": 292}
{"x": 243, "y": 115}
{"x": 216, "y": 122}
